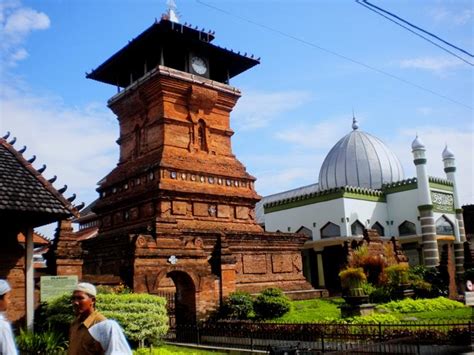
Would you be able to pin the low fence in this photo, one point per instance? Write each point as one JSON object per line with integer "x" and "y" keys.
{"x": 310, "y": 338}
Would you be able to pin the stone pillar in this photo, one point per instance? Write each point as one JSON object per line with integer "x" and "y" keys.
{"x": 67, "y": 251}
{"x": 319, "y": 260}
{"x": 459, "y": 232}
{"x": 425, "y": 206}
{"x": 30, "y": 279}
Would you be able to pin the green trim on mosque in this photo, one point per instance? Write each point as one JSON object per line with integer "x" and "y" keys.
{"x": 419, "y": 161}
{"x": 425, "y": 208}
{"x": 458, "y": 210}
{"x": 399, "y": 186}
{"x": 451, "y": 169}
{"x": 355, "y": 193}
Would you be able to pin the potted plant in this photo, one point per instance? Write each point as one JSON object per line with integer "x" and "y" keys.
{"x": 352, "y": 280}
{"x": 398, "y": 278}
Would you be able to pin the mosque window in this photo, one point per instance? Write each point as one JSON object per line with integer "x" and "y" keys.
{"x": 444, "y": 226}
{"x": 378, "y": 227}
{"x": 330, "y": 230}
{"x": 306, "y": 231}
{"x": 407, "y": 228}
{"x": 357, "y": 228}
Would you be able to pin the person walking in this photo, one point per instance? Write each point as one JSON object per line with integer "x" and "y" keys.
{"x": 91, "y": 333}
{"x": 7, "y": 342}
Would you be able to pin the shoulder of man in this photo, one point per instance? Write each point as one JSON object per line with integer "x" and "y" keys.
{"x": 94, "y": 318}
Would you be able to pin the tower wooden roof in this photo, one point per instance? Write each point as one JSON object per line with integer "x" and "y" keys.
{"x": 169, "y": 41}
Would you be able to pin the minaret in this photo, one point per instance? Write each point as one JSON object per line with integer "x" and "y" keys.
{"x": 425, "y": 206}
{"x": 459, "y": 232}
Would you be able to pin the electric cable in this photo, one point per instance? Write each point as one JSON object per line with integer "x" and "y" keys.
{"x": 415, "y": 33}
{"x": 418, "y": 28}
{"x": 367, "y": 66}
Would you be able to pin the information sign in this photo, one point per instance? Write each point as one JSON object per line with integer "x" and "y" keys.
{"x": 469, "y": 298}
{"x": 53, "y": 286}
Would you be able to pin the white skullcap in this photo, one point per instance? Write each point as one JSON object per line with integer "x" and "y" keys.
{"x": 87, "y": 288}
{"x": 4, "y": 287}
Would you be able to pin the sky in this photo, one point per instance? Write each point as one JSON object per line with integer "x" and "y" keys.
{"x": 320, "y": 62}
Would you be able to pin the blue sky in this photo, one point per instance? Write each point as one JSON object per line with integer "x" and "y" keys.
{"x": 295, "y": 105}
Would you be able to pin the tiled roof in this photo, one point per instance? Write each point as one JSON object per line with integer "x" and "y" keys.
{"x": 38, "y": 239}
{"x": 300, "y": 191}
{"x": 24, "y": 190}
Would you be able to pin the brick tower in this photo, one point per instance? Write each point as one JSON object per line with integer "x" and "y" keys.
{"x": 179, "y": 206}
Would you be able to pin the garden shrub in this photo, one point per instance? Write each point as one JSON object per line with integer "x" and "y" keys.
{"x": 376, "y": 318}
{"x": 271, "y": 303}
{"x": 239, "y": 305}
{"x": 381, "y": 294}
{"x": 46, "y": 342}
{"x": 143, "y": 317}
{"x": 397, "y": 274}
{"x": 409, "y": 305}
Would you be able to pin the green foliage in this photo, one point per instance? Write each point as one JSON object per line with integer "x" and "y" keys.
{"x": 121, "y": 288}
{"x": 352, "y": 278}
{"x": 143, "y": 317}
{"x": 409, "y": 305}
{"x": 376, "y": 318}
{"x": 175, "y": 350}
{"x": 397, "y": 274}
{"x": 239, "y": 305}
{"x": 271, "y": 303}
{"x": 47, "y": 342}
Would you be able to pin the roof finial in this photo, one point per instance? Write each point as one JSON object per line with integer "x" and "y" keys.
{"x": 172, "y": 13}
{"x": 355, "y": 125}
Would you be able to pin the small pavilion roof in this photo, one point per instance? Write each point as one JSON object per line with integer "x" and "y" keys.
{"x": 26, "y": 197}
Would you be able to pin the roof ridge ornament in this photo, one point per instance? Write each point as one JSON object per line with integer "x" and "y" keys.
{"x": 172, "y": 12}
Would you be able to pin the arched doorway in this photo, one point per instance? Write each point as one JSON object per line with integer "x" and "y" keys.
{"x": 185, "y": 297}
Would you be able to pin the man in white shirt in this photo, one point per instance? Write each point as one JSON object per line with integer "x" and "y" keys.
{"x": 7, "y": 342}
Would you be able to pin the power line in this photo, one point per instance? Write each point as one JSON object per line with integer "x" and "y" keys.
{"x": 367, "y": 66}
{"x": 415, "y": 33}
{"x": 418, "y": 28}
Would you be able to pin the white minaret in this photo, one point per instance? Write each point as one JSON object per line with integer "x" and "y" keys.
{"x": 459, "y": 232}
{"x": 425, "y": 206}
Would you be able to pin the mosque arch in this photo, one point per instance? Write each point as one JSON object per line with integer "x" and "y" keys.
{"x": 330, "y": 230}
{"x": 357, "y": 228}
{"x": 306, "y": 231}
{"x": 407, "y": 228}
{"x": 379, "y": 228}
{"x": 444, "y": 226}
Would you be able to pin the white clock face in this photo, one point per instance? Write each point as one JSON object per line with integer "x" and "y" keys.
{"x": 199, "y": 65}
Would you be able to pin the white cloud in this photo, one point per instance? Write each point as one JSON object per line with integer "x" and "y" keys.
{"x": 16, "y": 22}
{"x": 441, "y": 14}
{"x": 77, "y": 144}
{"x": 435, "y": 64}
{"x": 257, "y": 109}
{"x": 323, "y": 134}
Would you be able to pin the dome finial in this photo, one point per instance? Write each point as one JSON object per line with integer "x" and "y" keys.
{"x": 355, "y": 124}
{"x": 447, "y": 154}
{"x": 417, "y": 144}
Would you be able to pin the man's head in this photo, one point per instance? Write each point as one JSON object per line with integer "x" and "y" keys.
{"x": 83, "y": 299}
{"x": 4, "y": 295}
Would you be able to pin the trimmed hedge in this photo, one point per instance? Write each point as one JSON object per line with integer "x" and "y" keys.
{"x": 271, "y": 303}
{"x": 239, "y": 305}
{"x": 409, "y": 305}
{"x": 143, "y": 317}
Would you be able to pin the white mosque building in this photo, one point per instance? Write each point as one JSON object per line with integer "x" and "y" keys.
{"x": 362, "y": 186}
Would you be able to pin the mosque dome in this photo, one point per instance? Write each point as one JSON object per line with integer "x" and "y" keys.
{"x": 359, "y": 159}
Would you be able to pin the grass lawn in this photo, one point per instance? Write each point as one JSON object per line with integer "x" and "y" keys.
{"x": 178, "y": 350}
{"x": 318, "y": 310}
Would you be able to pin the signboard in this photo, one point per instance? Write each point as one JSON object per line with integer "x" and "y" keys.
{"x": 53, "y": 286}
{"x": 469, "y": 298}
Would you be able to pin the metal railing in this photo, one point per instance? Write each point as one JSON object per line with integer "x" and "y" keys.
{"x": 309, "y": 338}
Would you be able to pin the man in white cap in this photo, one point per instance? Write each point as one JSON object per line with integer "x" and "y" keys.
{"x": 91, "y": 333}
{"x": 7, "y": 343}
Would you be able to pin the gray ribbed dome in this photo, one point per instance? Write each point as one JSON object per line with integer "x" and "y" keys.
{"x": 362, "y": 160}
